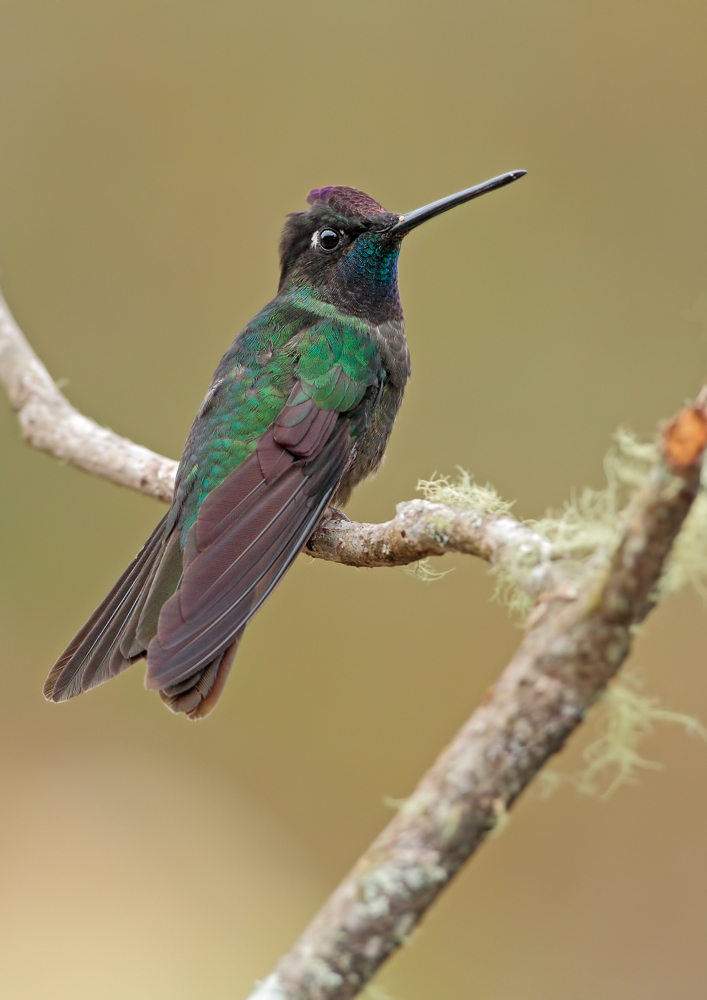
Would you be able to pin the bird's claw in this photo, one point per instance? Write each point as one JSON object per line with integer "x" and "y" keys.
{"x": 334, "y": 514}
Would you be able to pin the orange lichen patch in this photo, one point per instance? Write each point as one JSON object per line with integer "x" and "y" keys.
{"x": 489, "y": 695}
{"x": 684, "y": 438}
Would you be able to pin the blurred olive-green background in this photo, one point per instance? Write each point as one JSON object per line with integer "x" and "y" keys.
{"x": 149, "y": 152}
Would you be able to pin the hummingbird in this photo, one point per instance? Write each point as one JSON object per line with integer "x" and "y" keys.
{"x": 299, "y": 411}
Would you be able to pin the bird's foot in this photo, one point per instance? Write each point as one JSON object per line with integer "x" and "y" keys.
{"x": 334, "y": 514}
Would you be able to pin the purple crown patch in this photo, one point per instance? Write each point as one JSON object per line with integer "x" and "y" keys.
{"x": 347, "y": 201}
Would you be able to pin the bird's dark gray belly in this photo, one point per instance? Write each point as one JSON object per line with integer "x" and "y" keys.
{"x": 370, "y": 448}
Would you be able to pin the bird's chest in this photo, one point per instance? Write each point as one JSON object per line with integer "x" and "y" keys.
{"x": 393, "y": 349}
{"x": 379, "y": 409}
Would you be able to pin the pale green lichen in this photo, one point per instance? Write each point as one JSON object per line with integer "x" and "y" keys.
{"x": 376, "y": 993}
{"x": 625, "y": 717}
{"x": 587, "y": 523}
{"x": 687, "y": 564}
{"x": 509, "y": 589}
{"x": 424, "y": 571}
{"x": 501, "y": 819}
{"x": 464, "y": 492}
{"x": 321, "y": 976}
{"x": 591, "y": 522}
{"x": 390, "y": 802}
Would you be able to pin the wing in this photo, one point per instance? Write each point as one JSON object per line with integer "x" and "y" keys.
{"x": 251, "y": 527}
{"x": 247, "y": 533}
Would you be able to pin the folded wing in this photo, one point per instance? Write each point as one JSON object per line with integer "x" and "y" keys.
{"x": 247, "y": 533}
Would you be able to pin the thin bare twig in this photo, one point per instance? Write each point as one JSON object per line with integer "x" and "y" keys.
{"x": 578, "y": 636}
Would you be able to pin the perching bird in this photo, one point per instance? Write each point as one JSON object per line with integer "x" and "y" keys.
{"x": 299, "y": 411}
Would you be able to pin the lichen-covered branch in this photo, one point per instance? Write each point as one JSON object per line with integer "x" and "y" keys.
{"x": 578, "y": 636}
{"x": 423, "y": 528}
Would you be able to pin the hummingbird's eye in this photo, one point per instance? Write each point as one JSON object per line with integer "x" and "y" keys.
{"x": 329, "y": 239}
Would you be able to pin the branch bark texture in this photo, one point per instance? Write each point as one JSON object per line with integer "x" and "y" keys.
{"x": 578, "y": 636}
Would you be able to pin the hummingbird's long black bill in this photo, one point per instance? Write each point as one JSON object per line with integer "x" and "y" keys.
{"x": 413, "y": 219}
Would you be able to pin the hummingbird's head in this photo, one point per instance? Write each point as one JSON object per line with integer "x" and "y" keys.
{"x": 345, "y": 247}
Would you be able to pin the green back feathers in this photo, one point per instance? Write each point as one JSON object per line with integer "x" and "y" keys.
{"x": 336, "y": 365}
{"x": 295, "y": 338}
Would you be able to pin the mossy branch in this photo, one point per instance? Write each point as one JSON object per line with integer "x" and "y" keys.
{"x": 592, "y": 574}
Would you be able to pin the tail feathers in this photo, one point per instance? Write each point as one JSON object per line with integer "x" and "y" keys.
{"x": 89, "y": 659}
{"x": 119, "y": 630}
{"x": 142, "y": 624}
{"x": 199, "y": 693}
